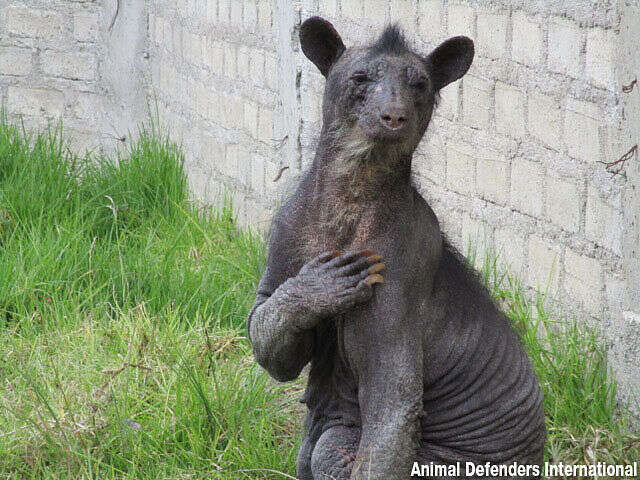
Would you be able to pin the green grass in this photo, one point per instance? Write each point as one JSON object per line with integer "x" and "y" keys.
{"x": 122, "y": 310}
{"x": 122, "y": 345}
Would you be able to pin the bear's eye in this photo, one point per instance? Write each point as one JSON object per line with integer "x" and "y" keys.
{"x": 360, "y": 78}
{"x": 419, "y": 84}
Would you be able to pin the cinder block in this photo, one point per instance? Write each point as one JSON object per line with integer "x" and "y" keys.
{"x": 477, "y": 240}
{"x": 527, "y": 194}
{"x": 492, "y": 181}
{"x": 182, "y": 9}
{"x": 212, "y": 12}
{"x": 216, "y": 107}
{"x": 614, "y": 294}
{"x": 258, "y": 217}
{"x": 420, "y": 162}
{"x": 451, "y": 225}
{"x": 461, "y": 20}
{"x": 565, "y": 46}
{"x": 235, "y": 162}
{"x": 235, "y": 112}
{"x": 230, "y": 64}
{"x": 492, "y": 34}
{"x": 198, "y": 181}
{"x": 544, "y": 265}
{"x": 28, "y": 22}
{"x": 217, "y": 56}
{"x": 265, "y": 125}
{"x": 432, "y": 161}
{"x": 461, "y": 168}
{"x": 512, "y": 250}
{"x": 377, "y": 13}
{"x": 155, "y": 29}
{"x": 86, "y": 28}
{"x": 80, "y": 141}
{"x": 224, "y": 9}
{"x": 564, "y": 204}
{"x": 156, "y": 76}
{"x": 223, "y": 115}
{"x": 15, "y": 61}
{"x": 243, "y": 62}
{"x": 257, "y": 66}
{"x": 251, "y": 118}
{"x": 185, "y": 45}
{"x": 207, "y": 55}
{"x": 74, "y": 66}
{"x": 235, "y": 13}
{"x": 242, "y": 170}
{"x": 328, "y": 8}
{"x": 256, "y": 182}
{"x": 527, "y": 45}
{"x": 449, "y": 98}
{"x": 264, "y": 16}
{"x": 229, "y": 160}
{"x": 476, "y": 101}
{"x": 239, "y": 202}
{"x": 35, "y": 102}
{"x": 583, "y": 281}
{"x": 192, "y": 48}
{"x": 353, "y": 10}
{"x": 212, "y": 104}
{"x": 601, "y": 47}
{"x": 603, "y": 224}
{"x": 509, "y": 110}
{"x": 430, "y": 20}
{"x": 201, "y": 98}
{"x": 545, "y": 120}
{"x": 250, "y": 15}
{"x": 198, "y": 47}
{"x": 582, "y": 132}
{"x": 167, "y": 77}
{"x": 176, "y": 40}
{"x": 311, "y": 106}
{"x": 403, "y": 12}
{"x": 271, "y": 71}
{"x": 88, "y": 107}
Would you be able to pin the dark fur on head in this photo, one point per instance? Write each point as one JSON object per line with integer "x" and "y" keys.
{"x": 392, "y": 41}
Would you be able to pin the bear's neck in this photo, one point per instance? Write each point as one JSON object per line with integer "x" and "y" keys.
{"x": 360, "y": 171}
{"x": 354, "y": 193}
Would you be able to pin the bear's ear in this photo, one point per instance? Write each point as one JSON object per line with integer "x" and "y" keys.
{"x": 321, "y": 43}
{"x": 450, "y": 61}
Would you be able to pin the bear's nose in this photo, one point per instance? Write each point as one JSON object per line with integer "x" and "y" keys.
{"x": 394, "y": 117}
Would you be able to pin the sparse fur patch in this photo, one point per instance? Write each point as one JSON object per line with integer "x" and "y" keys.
{"x": 391, "y": 41}
{"x": 357, "y": 173}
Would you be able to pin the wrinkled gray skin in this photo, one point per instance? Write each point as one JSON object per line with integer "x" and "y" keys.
{"x": 410, "y": 359}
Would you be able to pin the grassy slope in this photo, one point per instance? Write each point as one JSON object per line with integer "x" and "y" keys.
{"x": 122, "y": 349}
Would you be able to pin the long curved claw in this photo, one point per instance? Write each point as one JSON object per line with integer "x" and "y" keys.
{"x": 375, "y": 278}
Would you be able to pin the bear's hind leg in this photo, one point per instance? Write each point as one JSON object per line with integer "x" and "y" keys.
{"x": 334, "y": 453}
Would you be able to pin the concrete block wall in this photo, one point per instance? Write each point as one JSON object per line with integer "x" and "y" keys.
{"x": 511, "y": 161}
{"x": 215, "y": 77}
{"x": 59, "y": 60}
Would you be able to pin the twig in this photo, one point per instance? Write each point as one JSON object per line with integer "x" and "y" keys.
{"x": 629, "y": 88}
{"x": 280, "y": 172}
{"x": 113, "y": 20}
{"x": 285, "y": 475}
{"x": 122, "y": 138}
{"x": 114, "y": 372}
{"x": 617, "y": 166}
